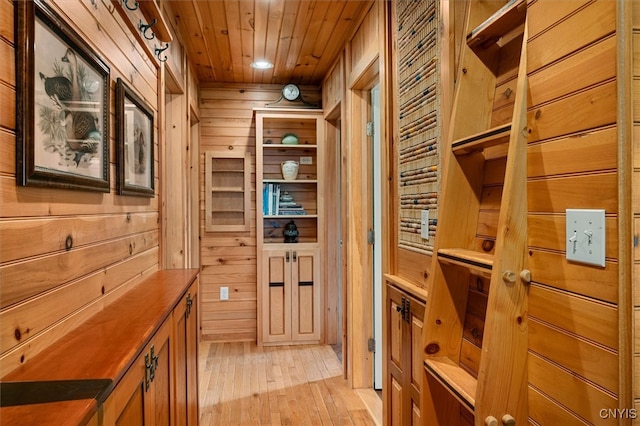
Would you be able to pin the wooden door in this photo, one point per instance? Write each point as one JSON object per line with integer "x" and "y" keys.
{"x": 161, "y": 358}
{"x": 143, "y": 396}
{"x": 193, "y": 337}
{"x": 405, "y": 316}
{"x": 305, "y": 295}
{"x": 186, "y": 362}
{"x": 395, "y": 359}
{"x": 276, "y": 291}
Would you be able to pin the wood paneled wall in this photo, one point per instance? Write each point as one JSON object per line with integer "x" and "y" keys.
{"x": 577, "y": 340}
{"x": 229, "y": 258}
{"x": 635, "y": 45}
{"x": 45, "y": 290}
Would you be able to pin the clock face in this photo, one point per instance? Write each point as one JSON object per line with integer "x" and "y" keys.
{"x": 291, "y": 92}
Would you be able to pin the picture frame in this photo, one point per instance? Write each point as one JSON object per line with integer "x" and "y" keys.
{"x": 62, "y": 104}
{"x": 134, "y": 143}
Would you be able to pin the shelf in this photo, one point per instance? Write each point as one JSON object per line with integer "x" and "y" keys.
{"x": 290, "y": 181}
{"x": 231, "y": 190}
{"x": 227, "y": 211}
{"x": 227, "y": 191}
{"x": 461, "y": 384}
{"x": 287, "y": 146}
{"x": 492, "y": 137}
{"x": 482, "y": 262}
{"x": 291, "y": 216}
{"x": 151, "y": 11}
{"x": 509, "y": 17}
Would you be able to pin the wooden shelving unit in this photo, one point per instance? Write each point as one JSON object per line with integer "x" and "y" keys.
{"x": 289, "y": 274}
{"x": 475, "y": 337}
{"x": 227, "y": 191}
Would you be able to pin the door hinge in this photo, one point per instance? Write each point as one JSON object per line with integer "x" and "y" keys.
{"x": 371, "y": 236}
{"x": 369, "y": 128}
{"x": 371, "y": 344}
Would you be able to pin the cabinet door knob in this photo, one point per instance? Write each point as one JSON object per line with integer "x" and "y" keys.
{"x": 508, "y": 420}
{"x": 286, "y": 257}
{"x": 491, "y": 421}
{"x": 509, "y": 277}
{"x": 525, "y": 275}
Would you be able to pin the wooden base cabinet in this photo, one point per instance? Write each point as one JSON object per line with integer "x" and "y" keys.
{"x": 161, "y": 387}
{"x": 405, "y": 315}
{"x": 291, "y": 290}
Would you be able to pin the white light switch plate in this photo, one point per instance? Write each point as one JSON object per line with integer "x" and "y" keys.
{"x": 424, "y": 224}
{"x": 306, "y": 160}
{"x": 585, "y": 236}
{"x": 224, "y": 293}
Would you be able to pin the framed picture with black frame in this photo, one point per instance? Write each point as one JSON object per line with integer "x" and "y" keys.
{"x": 62, "y": 104}
{"x": 134, "y": 143}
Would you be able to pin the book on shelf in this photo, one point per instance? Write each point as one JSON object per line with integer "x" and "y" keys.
{"x": 292, "y": 212}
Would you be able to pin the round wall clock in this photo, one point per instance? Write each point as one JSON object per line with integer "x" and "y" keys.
{"x": 291, "y": 92}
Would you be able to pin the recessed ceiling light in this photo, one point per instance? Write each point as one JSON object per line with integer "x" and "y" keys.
{"x": 262, "y": 65}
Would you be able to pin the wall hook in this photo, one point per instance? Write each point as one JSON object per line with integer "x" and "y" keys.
{"x": 159, "y": 51}
{"x": 126, "y": 4}
{"x": 145, "y": 28}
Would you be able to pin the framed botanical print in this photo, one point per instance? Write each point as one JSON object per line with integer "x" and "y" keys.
{"x": 62, "y": 108}
{"x": 134, "y": 143}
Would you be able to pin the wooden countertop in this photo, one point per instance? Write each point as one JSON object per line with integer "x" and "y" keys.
{"x": 407, "y": 286}
{"x": 80, "y": 370}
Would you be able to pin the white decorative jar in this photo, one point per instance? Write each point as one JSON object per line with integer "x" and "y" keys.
{"x": 289, "y": 169}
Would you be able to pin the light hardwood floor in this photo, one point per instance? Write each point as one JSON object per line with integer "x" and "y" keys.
{"x": 242, "y": 384}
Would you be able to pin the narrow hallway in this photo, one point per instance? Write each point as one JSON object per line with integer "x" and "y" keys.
{"x": 243, "y": 384}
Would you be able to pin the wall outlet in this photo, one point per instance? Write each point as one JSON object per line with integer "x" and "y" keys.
{"x": 224, "y": 293}
{"x": 306, "y": 160}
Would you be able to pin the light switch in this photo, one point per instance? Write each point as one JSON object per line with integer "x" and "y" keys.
{"x": 424, "y": 224}
{"x": 224, "y": 293}
{"x": 585, "y": 236}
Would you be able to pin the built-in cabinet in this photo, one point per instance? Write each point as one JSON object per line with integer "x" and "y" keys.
{"x": 476, "y": 315}
{"x": 289, "y": 225}
{"x": 405, "y": 316}
{"x": 291, "y": 278}
{"x": 161, "y": 386}
{"x": 227, "y": 191}
{"x": 132, "y": 364}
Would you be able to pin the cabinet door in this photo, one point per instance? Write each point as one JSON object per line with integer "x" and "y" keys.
{"x": 193, "y": 337}
{"x": 404, "y": 357}
{"x": 186, "y": 362}
{"x": 276, "y": 291}
{"x": 186, "y": 358}
{"x": 415, "y": 361}
{"x": 143, "y": 396}
{"x": 160, "y": 389}
{"x": 395, "y": 356}
{"x": 305, "y": 294}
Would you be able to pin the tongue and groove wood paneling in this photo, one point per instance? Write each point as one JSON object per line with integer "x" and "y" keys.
{"x": 572, "y": 162}
{"x": 46, "y": 290}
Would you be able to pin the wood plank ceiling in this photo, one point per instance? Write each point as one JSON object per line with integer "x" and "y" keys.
{"x": 301, "y": 38}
